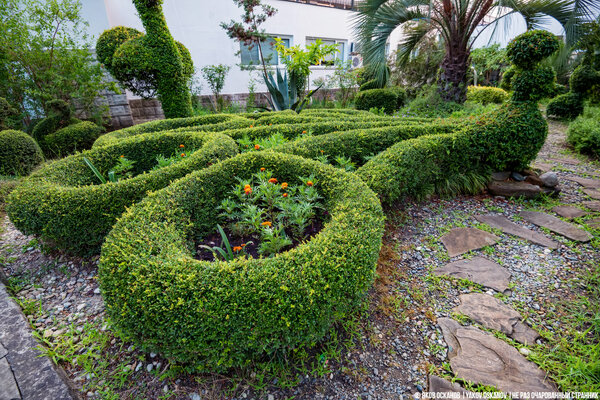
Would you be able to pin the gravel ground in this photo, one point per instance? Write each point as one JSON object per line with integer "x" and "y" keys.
{"x": 396, "y": 341}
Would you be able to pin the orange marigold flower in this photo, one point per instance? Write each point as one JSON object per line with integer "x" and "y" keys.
{"x": 270, "y": 124}
{"x": 262, "y": 170}
{"x": 303, "y": 131}
{"x": 273, "y": 180}
{"x": 122, "y": 156}
{"x": 243, "y": 245}
{"x": 248, "y": 190}
{"x": 247, "y": 186}
{"x": 237, "y": 249}
{"x": 256, "y": 147}
{"x": 182, "y": 154}
{"x": 285, "y": 195}
{"x": 251, "y": 126}
{"x": 181, "y": 146}
{"x": 284, "y": 185}
{"x": 310, "y": 183}
{"x": 267, "y": 223}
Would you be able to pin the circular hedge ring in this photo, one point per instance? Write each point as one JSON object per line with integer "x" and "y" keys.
{"x": 220, "y": 314}
{"x": 65, "y": 204}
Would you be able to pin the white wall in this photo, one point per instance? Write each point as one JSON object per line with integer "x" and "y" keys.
{"x": 195, "y": 23}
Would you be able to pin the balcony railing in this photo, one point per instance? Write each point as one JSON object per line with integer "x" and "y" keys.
{"x": 343, "y": 4}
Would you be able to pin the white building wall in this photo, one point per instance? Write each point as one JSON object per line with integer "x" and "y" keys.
{"x": 195, "y": 23}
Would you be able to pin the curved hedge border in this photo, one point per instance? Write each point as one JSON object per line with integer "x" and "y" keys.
{"x": 62, "y": 203}
{"x": 359, "y": 143}
{"x": 214, "y": 123}
{"x": 223, "y": 314}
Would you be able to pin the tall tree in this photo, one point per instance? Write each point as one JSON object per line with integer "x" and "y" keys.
{"x": 459, "y": 23}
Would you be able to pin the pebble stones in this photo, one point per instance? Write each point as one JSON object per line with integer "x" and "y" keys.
{"x": 556, "y": 225}
{"x": 494, "y": 314}
{"x": 463, "y": 240}
{"x": 507, "y": 226}
{"x": 479, "y": 270}
{"x": 480, "y": 357}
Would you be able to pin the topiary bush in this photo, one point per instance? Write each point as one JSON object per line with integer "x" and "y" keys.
{"x": 73, "y": 138}
{"x": 533, "y": 84}
{"x": 584, "y": 135}
{"x": 486, "y": 95}
{"x": 151, "y": 62}
{"x": 368, "y": 85}
{"x": 59, "y": 116}
{"x": 66, "y": 205}
{"x": 565, "y": 106}
{"x": 401, "y": 93}
{"x": 530, "y": 48}
{"x": 506, "y": 82}
{"x": 19, "y": 153}
{"x": 377, "y": 98}
{"x": 217, "y": 315}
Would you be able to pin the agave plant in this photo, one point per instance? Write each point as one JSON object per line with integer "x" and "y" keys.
{"x": 284, "y": 92}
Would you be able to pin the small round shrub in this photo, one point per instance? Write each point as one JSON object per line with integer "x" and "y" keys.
{"x": 377, "y": 98}
{"x": 530, "y": 48}
{"x": 565, "y": 106}
{"x": 558, "y": 89}
{"x": 533, "y": 84}
{"x": 401, "y": 93}
{"x": 218, "y": 315}
{"x": 19, "y": 153}
{"x": 584, "y": 135}
{"x": 59, "y": 116}
{"x": 73, "y": 138}
{"x": 583, "y": 78}
{"x": 368, "y": 85}
{"x": 65, "y": 203}
{"x": 110, "y": 40}
{"x": 486, "y": 95}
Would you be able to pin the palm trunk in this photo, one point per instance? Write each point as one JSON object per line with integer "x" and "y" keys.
{"x": 452, "y": 82}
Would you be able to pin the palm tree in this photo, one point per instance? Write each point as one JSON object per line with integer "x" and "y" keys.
{"x": 458, "y": 23}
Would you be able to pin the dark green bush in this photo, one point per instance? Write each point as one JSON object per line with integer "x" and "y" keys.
{"x": 213, "y": 123}
{"x": 565, "y": 106}
{"x": 368, "y": 85}
{"x": 486, "y": 95}
{"x": 7, "y": 114}
{"x": 59, "y": 116}
{"x": 530, "y": 48}
{"x": 506, "y": 82}
{"x": 76, "y": 137}
{"x": 7, "y": 185}
{"x": 19, "y": 153}
{"x": 584, "y": 135}
{"x": 110, "y": 40}
{"x": 401, "y": 93}
{"x": 377, "y": 98}
{"x": 217, "y": 315}
{"x": 533, "y": 84}
{"x": 64, "y": 204}
{"x": 583, "y": 78}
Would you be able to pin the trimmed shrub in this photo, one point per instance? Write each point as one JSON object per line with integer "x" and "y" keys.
{"x": 110, "y": 40}
{"x": 19, "y": 153}
{"x": 76, "y": 137}
{"x": 377, "y": 98}
{"x": 509, "y": 138}
{"x": 583, "y": 78}
{"x": 534, "y": 84}
{"x": 565, "y": 106}
{"x": 360, "y": 143}
{"x": 368, "y": 85}
{"x": 401, "y": 93}
{"x": 244, "y": 309}
{"x": 6, "y": 186}
{"x": 63, "y": 203}
{"x": 531, "y": 47}
{"x": 584, "y": 135}
{"x": 213, "y": 123}
{"x": 486, "y": 95}
{"x": 506, "y": 82}
{"x": 59, "y": 116}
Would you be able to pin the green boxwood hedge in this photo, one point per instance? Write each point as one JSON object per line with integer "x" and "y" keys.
{"x": 217, "y": 315}
{"x": 486, "y": 95}
{"x": 377, "y": 98}
{"x": 19, "y": 153}
{"x": 63, "y": 204}
{"x": 76, "y": 137}
{"x": 206, "y": 123}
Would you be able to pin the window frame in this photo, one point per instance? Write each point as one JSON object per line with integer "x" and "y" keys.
{"x": 271, "y": 36}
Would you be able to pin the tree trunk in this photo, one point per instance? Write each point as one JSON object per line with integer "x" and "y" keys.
{"x": 452, "y": 82}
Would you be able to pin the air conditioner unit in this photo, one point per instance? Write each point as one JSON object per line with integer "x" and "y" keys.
{"x": 357, "y": 61}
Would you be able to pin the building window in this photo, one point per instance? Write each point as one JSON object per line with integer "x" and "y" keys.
{"x": 250, "y": 54}
{"x": 341, "y": 44}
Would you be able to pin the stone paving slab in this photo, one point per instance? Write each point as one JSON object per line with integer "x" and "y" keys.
{"x": 35, "y": 376}
{"x": 556, "y": 225}
{"x": 463, "y": 240}
{"x": 593, "y": 193}
{"x": 592, "y": 205}
{"x": 594, "y": 223}
{"x": 8, "y": 386}
{"x": 479, "y": 270}
{"x": 494, "y": 314}
{"x": 585, "y": 182}
{"x": 507, "y": 226}
{"x": 481, "y": 358}
{"x": 441, "y": 385}
{"x": 569, "y": 212}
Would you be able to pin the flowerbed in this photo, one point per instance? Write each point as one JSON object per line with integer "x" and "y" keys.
{"x": 243, "y": 309}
